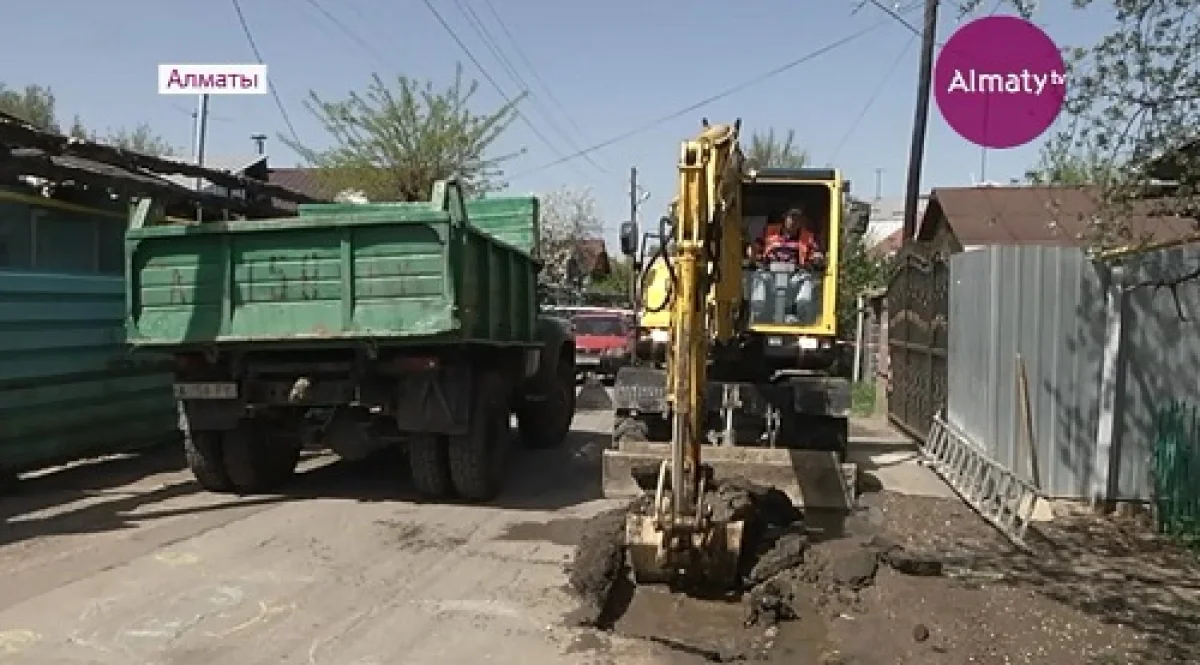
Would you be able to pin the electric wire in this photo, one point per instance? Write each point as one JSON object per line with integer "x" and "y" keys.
{"x": 237, "y": 7}
{"x": 862, "y": 114}
{"x": 345, "y": 30}
{"x": 516, "y": 47}
{"x": 727, "y": 92}
{"x": 479, "y": 27}
{"x": 490, "y": 79}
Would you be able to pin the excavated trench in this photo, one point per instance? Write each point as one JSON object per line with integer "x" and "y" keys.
{"x": 786, "y": 589}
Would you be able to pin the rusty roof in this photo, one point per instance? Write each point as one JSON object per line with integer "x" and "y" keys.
{"x": 1039, "y": 215}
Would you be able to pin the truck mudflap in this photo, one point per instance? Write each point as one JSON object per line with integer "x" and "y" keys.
{"x": 437, "y": 401}
{"x": 644, "y": 390}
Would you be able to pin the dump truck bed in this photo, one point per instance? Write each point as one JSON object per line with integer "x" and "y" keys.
{"x": 392, "y": 273}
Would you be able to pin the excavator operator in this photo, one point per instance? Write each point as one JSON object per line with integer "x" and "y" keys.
{"x": 794, "y": 245}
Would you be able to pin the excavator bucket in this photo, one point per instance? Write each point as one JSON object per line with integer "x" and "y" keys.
{"x": 711, "y": 558}
{"x": 812, "y": 479}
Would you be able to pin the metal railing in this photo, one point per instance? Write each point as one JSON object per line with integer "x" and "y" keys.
{"x": 1177, "y": 472}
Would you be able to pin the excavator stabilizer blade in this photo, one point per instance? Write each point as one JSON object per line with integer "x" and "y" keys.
{"x": 812, "y": 479}
{"x": 712, "y": 559}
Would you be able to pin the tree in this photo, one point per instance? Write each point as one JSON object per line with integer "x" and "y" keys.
{"x": 393, "y": 142}
{"x": 769, "y": 151}
{"x": 568, "y": 216}
{"x": 141, "y": 139}
{"x": 1134, "y": 96}
{"x": 35, "y": 104}
{"x": 619, "y": 281}
{"x": 860, "y": 271}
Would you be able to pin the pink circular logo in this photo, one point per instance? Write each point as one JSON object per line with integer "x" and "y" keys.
{"x": 1000, "y": 81}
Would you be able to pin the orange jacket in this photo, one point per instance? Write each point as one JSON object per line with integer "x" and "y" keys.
{"x": 799, "y": 250}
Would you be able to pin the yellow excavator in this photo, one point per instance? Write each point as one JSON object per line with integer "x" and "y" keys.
{"x": 748, "y": 384}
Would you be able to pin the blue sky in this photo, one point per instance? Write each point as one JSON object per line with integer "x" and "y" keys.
{"x": 613, "y": 66}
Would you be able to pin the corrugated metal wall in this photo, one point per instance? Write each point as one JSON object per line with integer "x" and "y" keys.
{"x": 1161, "y": 359}
{"x": 68, "y": 387}
{"x": 1048, "y": 305}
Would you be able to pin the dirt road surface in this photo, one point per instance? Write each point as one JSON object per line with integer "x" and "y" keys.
{"x": 129, "y": 562}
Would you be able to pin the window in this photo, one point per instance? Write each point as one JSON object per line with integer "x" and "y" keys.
{"x": 599, "y": 326}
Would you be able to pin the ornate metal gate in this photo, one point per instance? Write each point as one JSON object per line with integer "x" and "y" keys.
{"x": 918, "y": 306}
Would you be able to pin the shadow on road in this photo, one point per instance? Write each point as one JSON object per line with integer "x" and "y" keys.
{"x": 1120, "y": 572}
{"x": 542, "y": 480}
{"x": 538, "y": 479}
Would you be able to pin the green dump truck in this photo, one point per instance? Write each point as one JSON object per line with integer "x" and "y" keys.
{"x": 366, "y": 325}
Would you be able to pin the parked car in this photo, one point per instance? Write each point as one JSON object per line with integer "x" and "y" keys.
{"x": 603, "y": 343}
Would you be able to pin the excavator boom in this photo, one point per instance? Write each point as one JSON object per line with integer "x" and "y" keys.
{"x": 680, "y": 534}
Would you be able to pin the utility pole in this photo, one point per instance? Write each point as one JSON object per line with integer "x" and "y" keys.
{"x": 201, "y": 135}
{"x": 634, "y": 203}
{"x": 260, "y": 142}
{"x": 878, "y": 185}
{"x": 916, "y": 154}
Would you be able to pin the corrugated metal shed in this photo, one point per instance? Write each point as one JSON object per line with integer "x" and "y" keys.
{"x": 68, "y": 387}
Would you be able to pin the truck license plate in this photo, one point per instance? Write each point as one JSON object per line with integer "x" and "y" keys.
{"x": 206, "y": 390}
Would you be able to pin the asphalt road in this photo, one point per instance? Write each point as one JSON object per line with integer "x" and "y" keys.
{"x": 130, "y": 562}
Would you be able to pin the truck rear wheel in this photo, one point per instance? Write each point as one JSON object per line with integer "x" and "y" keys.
{"x": 256, "y": 461}
{"x": 546, "y": 423}
{"x": 479, "y": 458}
{"x": 202, "y": 451}
{"x": 429, "y": 464}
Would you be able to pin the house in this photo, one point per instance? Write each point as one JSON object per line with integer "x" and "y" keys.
{"x": 964, "y": 218}
{"x": 248, "y": 166}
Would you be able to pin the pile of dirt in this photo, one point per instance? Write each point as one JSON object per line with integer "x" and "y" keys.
{"x": 783, "y": 574}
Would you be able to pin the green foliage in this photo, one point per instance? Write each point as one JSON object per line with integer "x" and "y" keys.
{"x": 393, "y": 141}
{"x": 770, "y": 151}
{"x": 862, "y": 399}
{"x": 140, "y": 139}
{"x": 860, "y": 271}
{"x": 619, "y": 280}
{"x": 36, "y": 105}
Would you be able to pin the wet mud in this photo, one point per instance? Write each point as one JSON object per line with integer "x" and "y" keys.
{"x": 792, "y": 578}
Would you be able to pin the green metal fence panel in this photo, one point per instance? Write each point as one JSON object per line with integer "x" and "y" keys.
{"x": 1177, "y": 472}
{"x": 68, "y": 386}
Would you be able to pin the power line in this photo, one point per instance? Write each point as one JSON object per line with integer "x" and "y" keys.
{"x": 872, "y": 99}
{"x": 516, "y": 45}
{"x": 354, "y": 37}
{"x": 237, "y": 7}
{"x": 488, "y": 77}
{"x": 811, "y": 55}
{"x": 485, "y": 35}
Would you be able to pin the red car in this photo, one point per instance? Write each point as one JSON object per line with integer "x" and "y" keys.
{"x": 603, "y": 343}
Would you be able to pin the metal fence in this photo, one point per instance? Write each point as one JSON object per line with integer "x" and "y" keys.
{"x": 917, "y": 307}
{"x": 68, "y": 387}
{"x": 1050, "y": 314}
{"x": 1176, "y": 469}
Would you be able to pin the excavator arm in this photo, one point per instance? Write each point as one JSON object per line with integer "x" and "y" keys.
{"x": 679, "y": 536}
